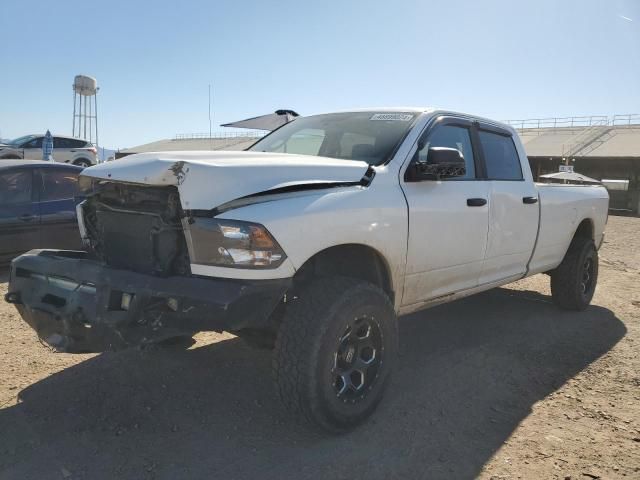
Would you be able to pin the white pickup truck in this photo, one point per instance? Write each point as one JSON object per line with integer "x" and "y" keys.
{"x": 312, "y": 243}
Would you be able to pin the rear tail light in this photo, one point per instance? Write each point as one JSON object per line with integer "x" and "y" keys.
{"x": 93, "y": 149}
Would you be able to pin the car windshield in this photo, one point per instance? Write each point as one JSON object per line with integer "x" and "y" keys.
{"x": 20, "y": 140}
{"x": 368, "y": 136}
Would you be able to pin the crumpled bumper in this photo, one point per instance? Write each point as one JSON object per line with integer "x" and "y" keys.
{"x": 80, "y": 305}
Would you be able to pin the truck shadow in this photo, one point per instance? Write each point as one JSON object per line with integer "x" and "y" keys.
{"x": 468, "y": 375}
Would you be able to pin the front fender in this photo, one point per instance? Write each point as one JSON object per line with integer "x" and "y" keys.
{"x": 306, "y": 225}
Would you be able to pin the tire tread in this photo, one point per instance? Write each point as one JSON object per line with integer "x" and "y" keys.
{"x": 301, "y": 332}
{"x": 564, "y": 290}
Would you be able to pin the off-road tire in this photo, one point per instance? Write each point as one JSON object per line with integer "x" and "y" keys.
{"x": 307, "y": 352}
{"x": 572, "y": 286}
{"x": 264, "y": 338}
{"x": 257, "y": 339}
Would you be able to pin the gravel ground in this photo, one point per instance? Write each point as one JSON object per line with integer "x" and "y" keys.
{"x": 501, "y": 385}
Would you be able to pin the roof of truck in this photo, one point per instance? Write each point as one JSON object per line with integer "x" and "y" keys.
{"x": 386, "y": 109}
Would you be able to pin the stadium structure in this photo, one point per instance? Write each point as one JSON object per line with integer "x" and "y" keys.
{"x": 197, "y": 141}
{"x": 601, "y": 147}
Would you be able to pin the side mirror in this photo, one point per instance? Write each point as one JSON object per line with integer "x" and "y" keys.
{"x": 442, "y": 162}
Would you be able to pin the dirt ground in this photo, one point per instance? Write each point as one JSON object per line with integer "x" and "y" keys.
{"x": 502, "y": 385}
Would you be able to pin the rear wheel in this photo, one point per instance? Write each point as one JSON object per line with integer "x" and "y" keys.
{"x": 573, "y": 283}
{"x": 82, "y": 162}
{"x": 335, "y": 350}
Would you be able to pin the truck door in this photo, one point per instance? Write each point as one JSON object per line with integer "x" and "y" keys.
{"x": 448, "y": 220}
{"x": 513, "y": 211}
{"x": 18, "y": 214}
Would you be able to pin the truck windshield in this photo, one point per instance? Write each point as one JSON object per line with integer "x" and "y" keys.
{"x": 368, "y": 136}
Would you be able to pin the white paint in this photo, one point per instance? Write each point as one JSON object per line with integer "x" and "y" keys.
{"x": 209, "y": 179}
{"x": 564, "y": 207}
{"x": 447, "y": 239}
{"x": 436, "y": 247}
{"x": 306, "y": 225}
{"x": 513, "y": 226}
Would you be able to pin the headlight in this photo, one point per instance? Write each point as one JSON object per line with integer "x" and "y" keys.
{"x": 231, "y": 243}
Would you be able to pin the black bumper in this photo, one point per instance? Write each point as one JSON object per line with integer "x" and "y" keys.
{"x": 76, "y": 304}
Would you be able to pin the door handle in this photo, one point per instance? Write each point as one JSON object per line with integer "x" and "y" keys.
{"x": 529, "y": 200}
{"x": 476, "y": 202}
{"x": 26, "y": 217}
{"x": 73, "y": 151}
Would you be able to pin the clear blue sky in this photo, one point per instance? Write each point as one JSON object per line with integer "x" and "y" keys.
{"x": 154, "y": 60}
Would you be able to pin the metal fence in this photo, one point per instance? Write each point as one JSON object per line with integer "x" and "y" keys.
{"x": 215, "y": 135}
{"x": 626, "y": 119}
{"x": 575, "y": 122}
{"x": 558, "y": 122}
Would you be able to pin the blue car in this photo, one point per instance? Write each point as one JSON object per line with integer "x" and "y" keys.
{"x": 37, "y": 207}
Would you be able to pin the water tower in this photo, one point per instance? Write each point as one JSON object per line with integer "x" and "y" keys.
{"x": 85, "y": 115}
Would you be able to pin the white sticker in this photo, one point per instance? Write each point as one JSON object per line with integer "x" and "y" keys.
{"x": 394, "y": 117}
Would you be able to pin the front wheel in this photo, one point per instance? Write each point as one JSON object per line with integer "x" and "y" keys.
{"x": 335, "y": 351}
{"x": 573, "y": 283}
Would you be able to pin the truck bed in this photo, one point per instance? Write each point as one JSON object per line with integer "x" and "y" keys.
{"x": 561, "y": 205}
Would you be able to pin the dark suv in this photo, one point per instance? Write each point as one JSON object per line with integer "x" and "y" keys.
{"x": 37, "y": 207}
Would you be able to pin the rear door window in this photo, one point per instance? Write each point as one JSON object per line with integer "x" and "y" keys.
{"x": 501, "y": 156}
{"x": 59, "y": 142}
{"x": 58, "y": 184}
{"x": 74, "y": 143}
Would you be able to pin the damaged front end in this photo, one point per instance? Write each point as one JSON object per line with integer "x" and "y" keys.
{"x": 135, "y": 227}
{"x": 134, "y": 284}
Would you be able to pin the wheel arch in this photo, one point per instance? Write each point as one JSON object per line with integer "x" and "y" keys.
{"x": 353, "y": 260}
{"x": 77, "y": 161}
{"x": 585, "y": 229}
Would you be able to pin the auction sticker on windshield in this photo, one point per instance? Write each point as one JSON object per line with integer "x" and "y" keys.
{"x": 398, "y": 117}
